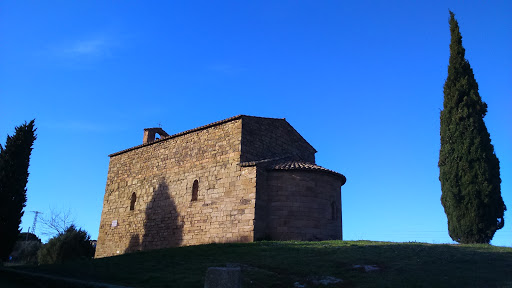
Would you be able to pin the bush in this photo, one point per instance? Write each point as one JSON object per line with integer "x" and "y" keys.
{"x": 25, "y": 252}
{"x": 71, "y": 244}
{"x": 26, "y": 236}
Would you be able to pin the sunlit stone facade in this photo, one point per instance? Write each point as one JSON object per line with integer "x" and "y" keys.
{"x": 241, "y": 179}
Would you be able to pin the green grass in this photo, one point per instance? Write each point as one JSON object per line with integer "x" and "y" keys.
{"x": 281, "y": 264}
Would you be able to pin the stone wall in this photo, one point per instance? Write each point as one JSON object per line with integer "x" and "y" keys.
{"x": 161, "y": 175}
{"x": 301, "y": 205}
{"x": 266, "y": 138}
{"x": 262, "y": 204}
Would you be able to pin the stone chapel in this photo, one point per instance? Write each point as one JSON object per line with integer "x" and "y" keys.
{"x": 241, "y": 179}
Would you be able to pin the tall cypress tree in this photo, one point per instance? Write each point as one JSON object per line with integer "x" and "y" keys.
{"x": 469, "y": 170}
{"x": 14, "y": 162}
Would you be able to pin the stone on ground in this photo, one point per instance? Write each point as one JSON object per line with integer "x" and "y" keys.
{"x": 223, "y": 277}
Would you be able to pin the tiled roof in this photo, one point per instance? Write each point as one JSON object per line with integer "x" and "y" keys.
{"x": 190, "y": 131}
{"x": 202, "y": 128}
{"x": 179, "y": 134}
{"x": 254, "y": 163}
{"x": 301, "y": 165}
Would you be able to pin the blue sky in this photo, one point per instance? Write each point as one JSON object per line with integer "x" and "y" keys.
{"x": 362, "y": 81}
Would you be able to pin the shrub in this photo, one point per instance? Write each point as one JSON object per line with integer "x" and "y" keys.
{"x": 71, "y": 244}
{"x": 25, "y": 252}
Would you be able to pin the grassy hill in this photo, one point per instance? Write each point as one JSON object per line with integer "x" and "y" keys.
{"x": 285, "y": 264}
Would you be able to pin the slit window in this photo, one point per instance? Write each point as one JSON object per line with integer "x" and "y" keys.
{"x": 132, "y": 202}
{"x": 195, "y": 190}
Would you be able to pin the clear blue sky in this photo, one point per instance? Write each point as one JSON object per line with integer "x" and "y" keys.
{"x": 362, "y": 81}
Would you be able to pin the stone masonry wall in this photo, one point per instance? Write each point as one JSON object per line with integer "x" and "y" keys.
{"x": 267, "y": 138}
{"x": 262, "y": 204}
{"x": 162, "y": 175}
{"x": 301, "y": 205}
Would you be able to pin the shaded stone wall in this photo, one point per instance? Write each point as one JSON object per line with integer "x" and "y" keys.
{"x": 266, "y": 138}
{"x": 300, "y": 205}
{"x": 262, "y": 204}
{"x": 161, "y": 175}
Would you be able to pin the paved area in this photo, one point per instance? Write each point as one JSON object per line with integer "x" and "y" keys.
{"x": 15, "y": 278}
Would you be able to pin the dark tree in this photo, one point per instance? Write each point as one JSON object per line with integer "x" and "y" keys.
{"x": 27, "y": 236}
{"x": 14, "y": 162}
{"x": 469, "y": 170}
{"x": 69, "y": 245}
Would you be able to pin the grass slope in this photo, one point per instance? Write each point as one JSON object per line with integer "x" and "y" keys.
{"x": 281, "y": 264}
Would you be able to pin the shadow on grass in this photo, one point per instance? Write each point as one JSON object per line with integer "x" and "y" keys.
{"x": 280, "y": 264}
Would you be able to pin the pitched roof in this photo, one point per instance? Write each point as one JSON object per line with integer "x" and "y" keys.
{"x": 302, "y": 165}
{"x": 178, "y": 134}
{"x": 164, "y": 138}
{"x": 254, "y": 163}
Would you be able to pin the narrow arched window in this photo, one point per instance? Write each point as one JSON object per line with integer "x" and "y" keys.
{"x": 132, "y": 202}
{"x": 334, "y": 214}
{"x": 195, "y": 190}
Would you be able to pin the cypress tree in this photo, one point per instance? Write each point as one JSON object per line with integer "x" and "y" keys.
{"x": 14, "y": 162}
{"x": 469, "y": 170}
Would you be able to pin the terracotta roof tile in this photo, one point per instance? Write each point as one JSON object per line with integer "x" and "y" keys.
{"x": 301, "y": 165}
{"x": 254, "y": 163}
